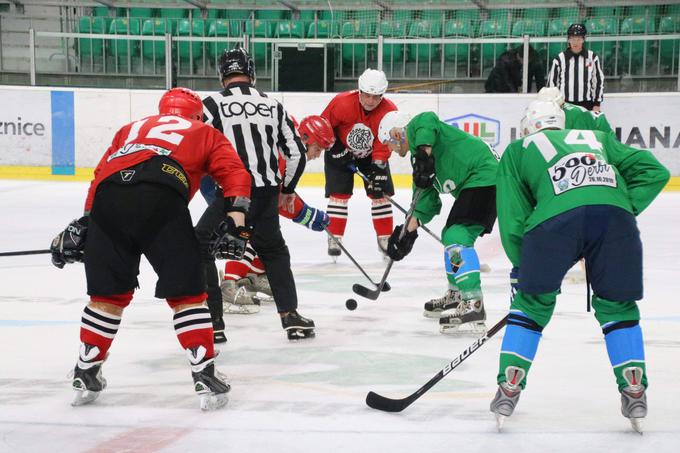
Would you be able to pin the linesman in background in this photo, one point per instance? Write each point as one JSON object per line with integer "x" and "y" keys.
{"x": 577, "y": 72}
{"x": 258, "y": 127}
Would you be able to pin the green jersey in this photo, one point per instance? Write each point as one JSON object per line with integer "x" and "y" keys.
{"x": 552, "y": 171}
{"x": 461, "y": 161}
{"x": 577, "y": 117}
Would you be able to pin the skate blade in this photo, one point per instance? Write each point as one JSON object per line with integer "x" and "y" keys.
{"x": 500, "y": 420}
{"x": 432, "y": 314}
{"x": 260, "y": 300}
{"x": 241, "y": 309}
{"x": 636, "y": 423}
{"x": 469, "y": 328}
{"x": 83, "y": 397}
{"x": 213, "y": 401}
{"x": 300, "y": 334}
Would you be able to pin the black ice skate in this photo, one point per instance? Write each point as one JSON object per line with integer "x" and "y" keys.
{"x": 209, "y": 383}
{"x": 634, "y": 398}
{"x": 468, "y": 318}
{"x": 333, "y": 248}
{"x": 88, "y": 381}
{"x": 435, "y": 307}
{"x": 297, "y": 327}
{"x": 507, "y": 396}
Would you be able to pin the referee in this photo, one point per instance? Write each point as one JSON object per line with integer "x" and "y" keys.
{"x": 577, "y": 72}
{"x": 258, "y": 127}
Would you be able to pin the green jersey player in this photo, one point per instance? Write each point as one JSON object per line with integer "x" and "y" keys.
{"x": 447, "y": 160}
{"x": 564, "y": 195}
{"x": 575, "y": 116}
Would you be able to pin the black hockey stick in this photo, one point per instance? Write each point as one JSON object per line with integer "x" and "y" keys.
{"x": 385, "y": 404}
{"x": 395, "y": 204}
{"x": 373, "y": 294}
{"x": 385, "y": 286}
{"x": 25, "y": 252}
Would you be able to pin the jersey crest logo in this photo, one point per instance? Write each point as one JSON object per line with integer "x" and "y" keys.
{"x": 126, "y": 175}
{"x": 488, "y": 129}
{"x": 360, "y": 140}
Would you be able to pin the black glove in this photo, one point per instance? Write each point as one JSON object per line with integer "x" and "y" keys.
{"x": 397, "y": 248}
{"x": 228, "y": 242}
{"x": 342, "y": 157}
{"x": 377, "y": 179}
{"x": 69, "y": 245}
{"x": 423, "y": 169}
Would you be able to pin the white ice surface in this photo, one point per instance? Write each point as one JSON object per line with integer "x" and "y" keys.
{"x": 309, "y": 396}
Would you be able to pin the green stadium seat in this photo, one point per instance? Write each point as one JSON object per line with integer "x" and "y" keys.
{"x": 669, "y": 48}
{"x": 143, "y": 13}
{"x": 333, "y": 15}
{"x": 212, "y": 14}
{"x": 100, "y": 11}
{"x": 531, "y": 27}
{"x": 290, "y": 29}
{"x": 392, "y": 29}
{"x": 557, "y": 27}
{"x": 242, "y": 14}
{"x": 91, "y": 47}
{"x": 651, "y": 11}
{"x": 537, "y": 13}
{"x": 259, "y": 29}
{"x": 271, "y": 14}
{"x": 174, "y": 13}
{"x": 493, "y": 29}
{"x": 632, "y": 51}
{"x": 155, "y": 49}
{"x": 307, "y": 15}
{"x": 190, "y": 28}
{"x": 354, "y": 29}
{"x": 673, "y": 10}
{"x": 606, "y": 11}
{"x": 457, "y": 28}
{"x": 119, "y": 47}
{"x": 402, "y": 15}
{"x": 469, "y": 14}
{"x": 433, "y": 15}
{"x": 218, "y": 28}
{"x": 571, "y": 14}
{"x": 322, "y": 29}
{"x": 423, "y": 29}
{"x": 599, "y": 27}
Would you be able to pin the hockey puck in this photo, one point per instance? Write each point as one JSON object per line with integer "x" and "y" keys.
{"x": 351, "y": 304}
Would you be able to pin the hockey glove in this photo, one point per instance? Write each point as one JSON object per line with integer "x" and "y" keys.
{"x": 228, "y": 242}
{"x": 69, "y": 245}
{"x": 312, "y": 218}
{"x": 514, "y": 281}
{"x": 342, "y": 157}
{"x": 423, "y": 169}
{"x": 377, "y": 179}
{"x": 398, "y": 248}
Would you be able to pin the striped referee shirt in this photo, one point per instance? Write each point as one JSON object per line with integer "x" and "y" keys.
{"x": 258, "y": 127}
{"x": 578, "y": 76}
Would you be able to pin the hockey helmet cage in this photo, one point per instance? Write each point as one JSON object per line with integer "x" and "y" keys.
{"x": 391, "y": 120}
{"x": 318, "y": 130}
{"x": 237, "y": 61}
{"x": 542, "y": 115}
{"x": 577, "y": 30}
{"x": 182, "y": 102}
{"x": 373, "y": 81}
{"x": 551, "y": 94}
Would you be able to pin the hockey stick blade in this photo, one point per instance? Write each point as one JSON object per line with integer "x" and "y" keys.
{"x": 382, "y": 403}
{"x": 366, "y": 292}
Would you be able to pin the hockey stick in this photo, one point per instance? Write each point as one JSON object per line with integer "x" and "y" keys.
{"x": 394, "y": 203}
{"x": 373, "y": 294}
{"x": 385, "y": 286}
{"x": 385, "y": 404}
{"x": 25, "y": 252}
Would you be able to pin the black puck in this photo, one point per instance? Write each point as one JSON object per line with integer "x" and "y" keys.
{"x": 351, "y": 304}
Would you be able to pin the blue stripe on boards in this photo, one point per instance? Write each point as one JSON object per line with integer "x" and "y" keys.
{"x": 63, "y": 133}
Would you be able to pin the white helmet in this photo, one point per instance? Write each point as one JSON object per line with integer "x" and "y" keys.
{"x": 373, "y": 81}
{"x": 551, "y": 94}
{"x": 391, "y": 120}
{"x": 542, "y": 115}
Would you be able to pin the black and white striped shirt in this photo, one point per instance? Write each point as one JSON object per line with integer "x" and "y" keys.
{"x": 578, "y": 76}
{"x": 258, "y": 127}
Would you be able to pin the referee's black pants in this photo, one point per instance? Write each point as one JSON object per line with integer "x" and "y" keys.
{"x": 267, "y": 241}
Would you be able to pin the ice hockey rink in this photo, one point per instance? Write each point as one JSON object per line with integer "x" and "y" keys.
{"x": 309, "y": 396}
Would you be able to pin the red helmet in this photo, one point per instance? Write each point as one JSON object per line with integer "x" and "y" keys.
{"x": 318, "y": 130}
{"x": 183, "y": 102}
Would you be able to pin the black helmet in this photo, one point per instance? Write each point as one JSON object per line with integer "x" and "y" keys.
{"x": 237, "y": 61}
{"x": 577, "y": 30}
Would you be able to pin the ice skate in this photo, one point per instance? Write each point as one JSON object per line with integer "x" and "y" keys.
{"x": 333, "y": 248}
{"x": 634, "y": 398}
{"x": 507, "y": 395}
{"x": 297, "y": 327}
{"x": 468, "y": 318}
{"x": 435, "y": 307}
{"x": 259, "y": 283}
{"x": 382, "y": 246}
{"x": 88, "y": 381}
{"x": 209, "y": 384}
{"x": 237, "y": 299}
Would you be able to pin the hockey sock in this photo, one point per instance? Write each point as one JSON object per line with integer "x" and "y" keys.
{"x": 381, "y": 211}
{"x": 461, "y": 261}
{"x": 238, "y": 269}
{"x": 520, "y": 344}
{"x": 620, "y": 323}
{"x": 337, "y": 211}
{"x": 194, "y": 328}
{"x": 98, "y": 328}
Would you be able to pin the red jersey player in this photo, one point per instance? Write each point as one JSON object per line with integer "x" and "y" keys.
{"x": 137, "y": 205}
{"x": 355, "y": 116}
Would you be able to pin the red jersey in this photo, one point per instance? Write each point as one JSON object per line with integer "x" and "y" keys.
{"x": 357, "y": 128}
{"x": 197, "y": 147}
